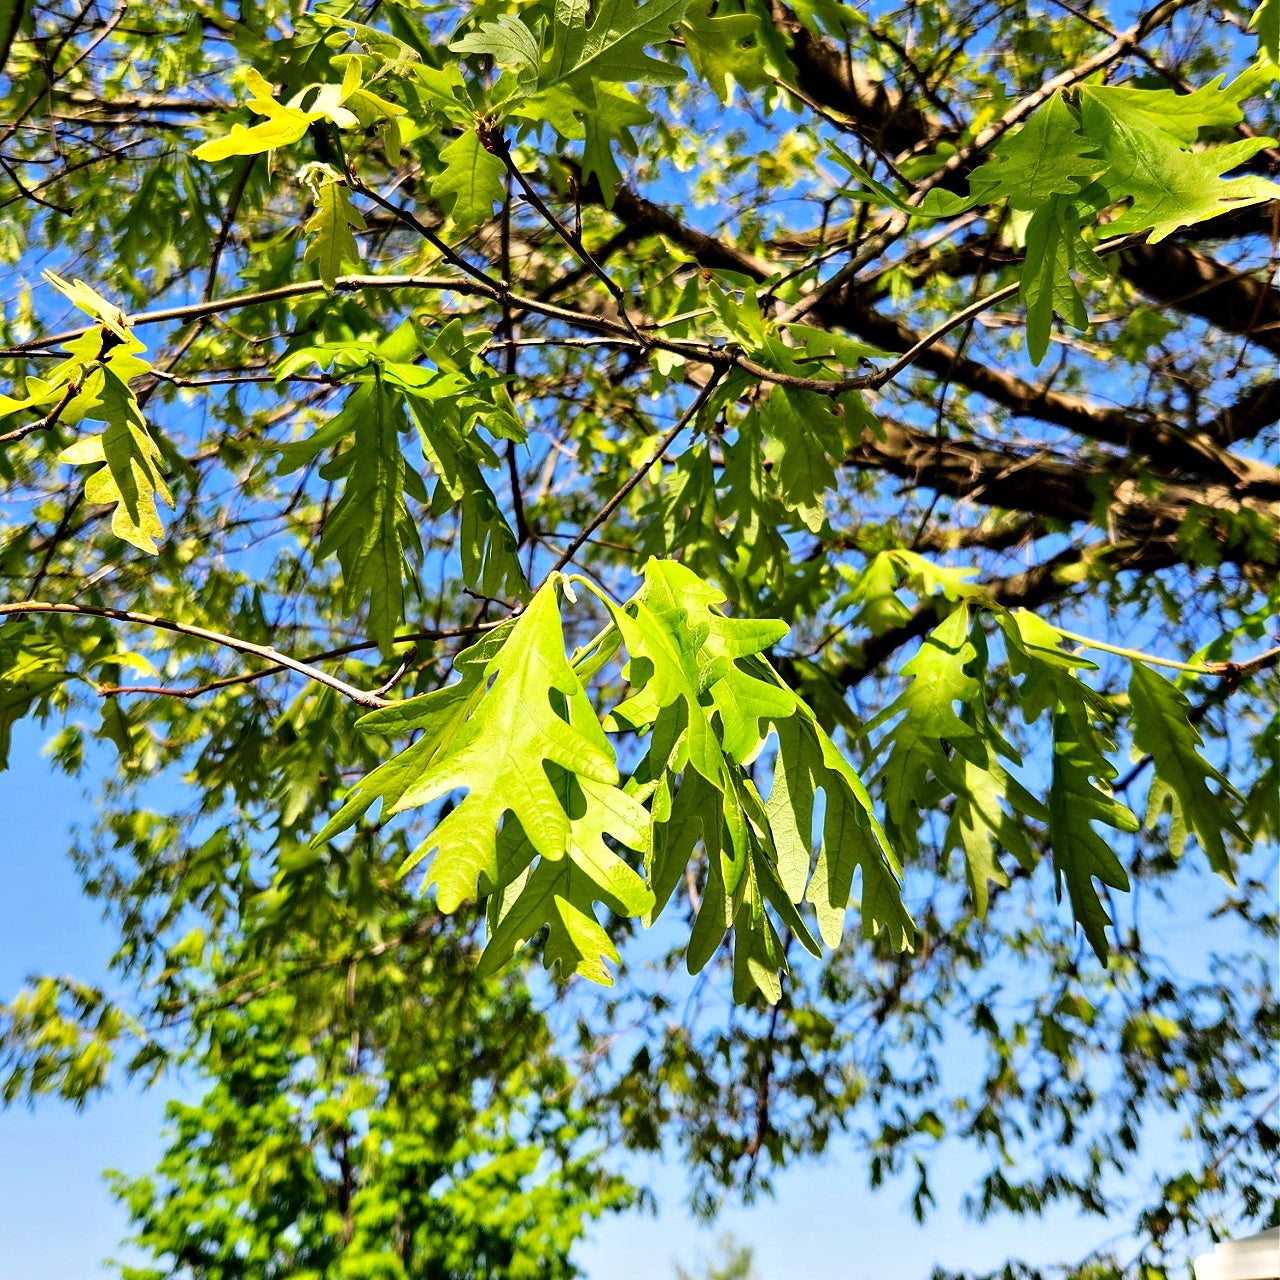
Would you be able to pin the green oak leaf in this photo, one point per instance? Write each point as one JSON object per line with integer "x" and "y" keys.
{"x": 332, "y": 246}
{"x": 748, "y": 496}
{"x": 32, "y": 667}
{"x": 924, "y": 715}
{"x": 758, "y": 955}
{"x": 805, "y": 442}
{"x": 689, "y": 607}
{"x": 725, "y": 48}
{"x": 561, "y": 893}
{"x": 612, "y": 46}
{"x": 981, "y": 826}
{"x": 874, "y": 589}
{"x": 690, "y": 816}
{"x": 509, "y": 43}
{"x": 1170, "y": 186}
{"x": 689, "y": 650}
{"x": 1183, "y": 115}
{"x": 1080, "y": 854}
{"x": 606, "y": 123}
{"x": 1266, "y": 22}
{"x": 370, "y": 528}
{"x": 1035, "y": 653}
{"x": 1056, "y": 254}
{"x": 498, "y": 754}
{"x": 434, "y": 718}
{"x": 471, "y": 183}
{"x": 487, "y": 546}
{"x": 130, "y": 476}
{"x": 1260, "y": 816}
{"x": 1162, "y": 727}
{"x": 1047, "y": 157}
{"x": 851, "y": 837}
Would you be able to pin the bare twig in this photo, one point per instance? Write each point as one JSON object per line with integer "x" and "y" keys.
{"x": 248, "y": 677}
{"x": 640, "y": 472}
{"x": 498, "y": 145}
{"x": 447, "y": 252}
{"x": 398, "y": 674}
{"x": 362, "y": 697}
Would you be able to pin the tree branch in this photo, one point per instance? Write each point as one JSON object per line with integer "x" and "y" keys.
{"x": 639, "y": 473}
{"x": 281, "y": 660}
{"x": 851, "y": 309}
{"x": 1042, "y": 483}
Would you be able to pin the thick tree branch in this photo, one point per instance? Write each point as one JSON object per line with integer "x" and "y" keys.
{"x": 823, "y": 72}
{"x": 1043, "y": 483}
{"x": 1255, "y": 411}
{"x": 1167, "y": 271}
{"x": 1182, "y": 277}
{"x": 1158, "y": 439}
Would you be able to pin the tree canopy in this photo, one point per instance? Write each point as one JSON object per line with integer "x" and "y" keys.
{"x": 522, "y": 471}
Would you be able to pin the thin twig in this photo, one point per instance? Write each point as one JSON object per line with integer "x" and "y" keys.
{"x": 27, "y": 193}
{"x": 398, "y": 674}
{"x": 224, "y": 230}
{"x": 1230, "y": 670}
{"x": 248, "y": 677}
{"x": 362, "y": 697}
{"x": 640, "y": 472}
{"x": 447, "y": 252}
{"x": 50, "y": 419}
{"x": 68, "y": 170}
{"x": 573, "y": 240}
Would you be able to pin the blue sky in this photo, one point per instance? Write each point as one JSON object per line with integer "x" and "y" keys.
{"x": 56, "y": 1217}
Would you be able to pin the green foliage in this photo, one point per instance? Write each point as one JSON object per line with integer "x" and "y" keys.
{"x": 530, "y": 834}
{"x": 1078, "y": 797}
{"x": 1266, "y": 21}
{"x": 537, "y": 709}
{"x": 609, "y": 44}
{"x": 1047, "y": 157}
{"x": 659, "y": 368}
{"x": 1148, "y": 161}
{"x": 1073, "y": 159}
{"x": 852, "y": 839}
{"x": 333, "y": 246}
{"x": 735, "y": 1262}
{"x": 370, "y": 527}
{"x": 1162, "y": 725}
{"x": 1056, "y": 254}
{"x": 470, "y": 183}
{"x": 131, "y": 477}
{"x": 930, "y": 726}
{"x": 353, "y": 1152}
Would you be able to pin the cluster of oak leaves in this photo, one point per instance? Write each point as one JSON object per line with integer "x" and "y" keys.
{"x": 545, "y": 812}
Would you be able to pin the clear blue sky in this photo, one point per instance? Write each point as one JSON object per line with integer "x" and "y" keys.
{"x": 58, "y": 1222}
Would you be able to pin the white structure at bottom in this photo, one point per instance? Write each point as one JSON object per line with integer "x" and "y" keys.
{"x": 1253, "y": 1258}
